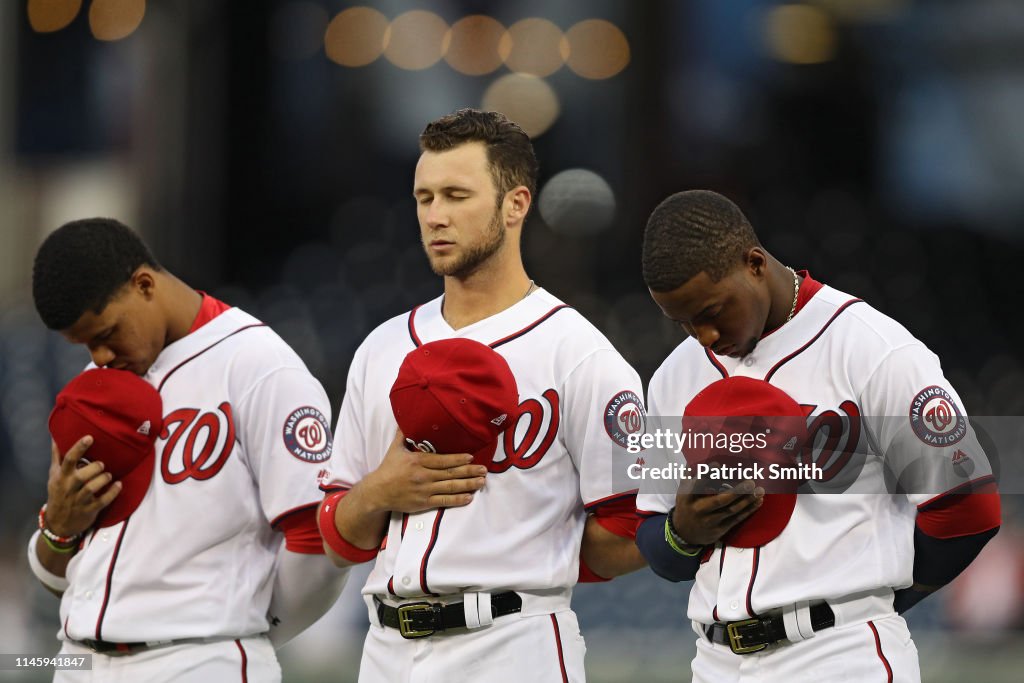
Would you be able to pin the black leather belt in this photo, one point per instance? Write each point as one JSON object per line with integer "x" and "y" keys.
{"x": 753, "y": 635}
{"x": 422, "y": 619}
{"x": 104, "y": 647}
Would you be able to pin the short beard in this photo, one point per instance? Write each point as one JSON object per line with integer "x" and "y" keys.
{"x": 470, "y": 260}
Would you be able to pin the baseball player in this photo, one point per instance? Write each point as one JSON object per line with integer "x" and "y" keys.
{"x": 475, "y": 563}
{"x": 223, "y": 547}
{"x": 822, "y": 599}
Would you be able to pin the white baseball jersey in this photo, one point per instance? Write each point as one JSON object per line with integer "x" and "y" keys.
{"x": 246, "y": 428}
{"x": 578, "y": 399}
{"x": 879, "y": 409}
{"x": 248, "y": 660}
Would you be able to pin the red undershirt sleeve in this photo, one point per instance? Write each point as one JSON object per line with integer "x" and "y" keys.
{"x": 301, "y": 534}
{"x": 620, "y": 518}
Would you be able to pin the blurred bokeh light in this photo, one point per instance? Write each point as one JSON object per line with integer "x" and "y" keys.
{"x": 46, "y": 16}
{"x": 800, "y": 34}
{"x": 472, "y": 45}
{"x": 534, "y": 46}
{"x": 577, "y": 202}
{"x": 528, "y": 100}
{"x": 597, "y": 49}
{"x": 415, "y": 40}
{"x": 355, "y": 36}
{"x": 115, "y": 19}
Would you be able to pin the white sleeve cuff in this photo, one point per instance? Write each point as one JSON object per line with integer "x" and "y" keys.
{"x": 305, "y": 587}
{"x": 48, "y": 578}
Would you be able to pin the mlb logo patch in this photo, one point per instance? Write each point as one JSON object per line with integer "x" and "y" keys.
{"x": 963, "y": 465}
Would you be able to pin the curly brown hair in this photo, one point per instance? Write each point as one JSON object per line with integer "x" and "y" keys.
{"x": 510, "y": 154}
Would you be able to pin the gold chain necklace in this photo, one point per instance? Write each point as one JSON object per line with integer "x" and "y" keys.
{"x": 529, "y": 290}
{"x": 796, "y": 294}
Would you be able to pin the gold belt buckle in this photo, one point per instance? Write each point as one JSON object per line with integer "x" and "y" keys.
{"x": 405, "y": 624}
{"x": 735, "y": 637}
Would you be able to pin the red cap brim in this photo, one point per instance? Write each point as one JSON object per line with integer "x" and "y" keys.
{"x": 134, "y": 486}
{"x": 485, "y": 455}
{"x": 765, "y": 524}
{"x": 67, "y": 426}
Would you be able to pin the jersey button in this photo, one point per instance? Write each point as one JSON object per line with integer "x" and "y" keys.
{"x": 406, "y": 580}
{"x": 739, "y": 550}
{"x": 748, "y": 361}
{"x": 419, "y": 526}
{"x": 88, "y": 595}
{"x": 104, "y": 536}
{"x": 734, "y": 605}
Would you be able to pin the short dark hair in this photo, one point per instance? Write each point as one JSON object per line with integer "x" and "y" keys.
{"x": 693, "y": 232}
{"x": 81, "y": 266}
{"x": 510, "y": 153}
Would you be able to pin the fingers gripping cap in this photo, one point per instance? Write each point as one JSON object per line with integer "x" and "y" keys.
{"x": 750, "y": 422}
{"x": 124, "y": 416}
{"x": 455, "y": 396}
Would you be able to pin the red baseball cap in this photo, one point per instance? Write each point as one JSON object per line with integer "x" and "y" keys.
{"x": 124, "y": 416}
{"x": 455, "y": 396}
{"x": 753, "y": 422}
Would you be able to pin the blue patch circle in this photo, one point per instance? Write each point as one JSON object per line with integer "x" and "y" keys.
{"x": 936, "y": 418}
{"x": 624, "y": 415}
{"x": 307, "y": 435}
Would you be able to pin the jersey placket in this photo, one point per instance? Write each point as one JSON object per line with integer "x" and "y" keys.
{"x": 411, "y": 568}
{"x": 737, "y": 583}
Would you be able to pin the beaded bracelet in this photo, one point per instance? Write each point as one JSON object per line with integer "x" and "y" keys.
{"x": 63, "y": 549}
{"x": 61, "y": 544}
{"x": 676, "y": 543}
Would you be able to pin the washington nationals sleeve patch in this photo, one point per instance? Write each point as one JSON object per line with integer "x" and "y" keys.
{"x": 307, "y": 435}
{"x": 936, "y": 418}
{"x": 624, "y": 415}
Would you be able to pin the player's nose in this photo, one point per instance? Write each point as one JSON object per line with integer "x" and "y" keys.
{"x": 436, "y": 215}
{"x": 706, "y": 335}
{"x": 101, "y": 356}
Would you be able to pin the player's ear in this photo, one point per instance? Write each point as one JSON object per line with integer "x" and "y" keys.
{"x": 756, "y": 261}
{"x": 143, "y": 281}
{"x": 517, "y": 204}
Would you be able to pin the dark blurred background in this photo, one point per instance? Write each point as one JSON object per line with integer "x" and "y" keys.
{"x": 265, "y": 150}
